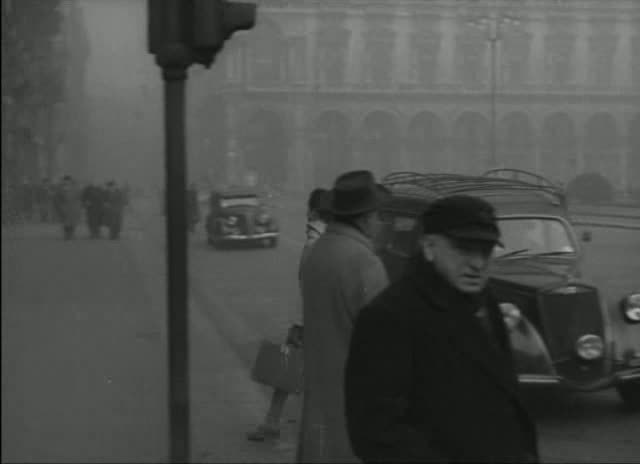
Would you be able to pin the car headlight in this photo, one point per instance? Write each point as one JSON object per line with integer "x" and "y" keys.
{"x": 511, "y": 315}
{"x": 631, "y": 308}
{"x": 263, "y": 218}
{"x": 590, "y": 347}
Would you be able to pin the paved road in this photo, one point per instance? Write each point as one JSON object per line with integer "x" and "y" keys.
{"x": 83, "y": 352}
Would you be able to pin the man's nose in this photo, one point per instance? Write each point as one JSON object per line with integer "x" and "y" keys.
{"x": 478, "y": 261}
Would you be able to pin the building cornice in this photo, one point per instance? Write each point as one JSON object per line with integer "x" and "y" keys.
{"x": 447, "y": 97}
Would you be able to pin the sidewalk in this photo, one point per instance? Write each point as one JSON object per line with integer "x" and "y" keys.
{"x": 83, "y": 361}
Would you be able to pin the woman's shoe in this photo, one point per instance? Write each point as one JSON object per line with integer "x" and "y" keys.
{"x": 264, "y": 432}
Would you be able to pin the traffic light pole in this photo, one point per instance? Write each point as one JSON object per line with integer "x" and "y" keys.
{"x": 182, "y": 33}
{"x": 175, "y": 61}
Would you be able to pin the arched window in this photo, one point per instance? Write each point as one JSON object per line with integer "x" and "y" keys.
{"x": 558, "y": 148}
{"x": 471, "y": 144}
{"x": 633, "y": 171}
{"x": 267, "y": 55}
{"x": 516, "y": 142}
{"x": 602, "y": 147}
{"x": 426, "y": 143}
{"x": 265, "y": 145}
{"x": 379, "y": 142}
{"x": 331, "y": 144}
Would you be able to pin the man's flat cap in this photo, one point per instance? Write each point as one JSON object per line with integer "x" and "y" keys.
{"x": 462, "y": 217}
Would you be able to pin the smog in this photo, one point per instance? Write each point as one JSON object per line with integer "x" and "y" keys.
{"x": 532, "y": 105}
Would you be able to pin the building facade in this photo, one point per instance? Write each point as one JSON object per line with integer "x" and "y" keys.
{"x": 319, "y": 87}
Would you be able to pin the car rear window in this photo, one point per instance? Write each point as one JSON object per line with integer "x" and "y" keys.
{"x": 399, "y": 233}
{"x": 238, "y": 201}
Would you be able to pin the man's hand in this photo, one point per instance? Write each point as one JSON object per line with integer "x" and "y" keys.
{"x": 294, "y": 337}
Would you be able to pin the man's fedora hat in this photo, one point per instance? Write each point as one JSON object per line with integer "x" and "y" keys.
{"x": 355, "y": 193}
{"x": 462, "y": 217}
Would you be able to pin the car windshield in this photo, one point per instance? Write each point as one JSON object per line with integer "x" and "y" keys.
{"x": 238, "y": 201}
{"x": 399, "y": 233}
{"x": 533, "y": 236}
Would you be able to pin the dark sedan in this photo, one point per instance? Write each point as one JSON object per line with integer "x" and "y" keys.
{"x": 560, "y": 325}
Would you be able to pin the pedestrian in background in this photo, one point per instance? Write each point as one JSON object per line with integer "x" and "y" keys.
{"x": 430, "y": 375}
{"x": 339, "y": 276}
{"x": 114, "y": 204}
{"x": 26, "y": 200}
{"x": 317, "y": 218}
{"x": 93, "y": 200}
{"x": 68, "y": 204}
{"x": 43, "y": 199}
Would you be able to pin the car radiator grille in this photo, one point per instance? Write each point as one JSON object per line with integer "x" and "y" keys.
{"x": 567, "y": 313}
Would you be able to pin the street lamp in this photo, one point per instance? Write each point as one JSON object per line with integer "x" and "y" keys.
{"x": 492, "y": 24}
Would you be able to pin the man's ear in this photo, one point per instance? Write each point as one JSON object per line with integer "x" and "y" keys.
{"x": 426, "y": 245}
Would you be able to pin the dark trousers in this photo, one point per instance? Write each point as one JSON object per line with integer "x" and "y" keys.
{"x": 69, "y": 231}
{"x": 115, "y": 226}
{"x": 94, "y": 221}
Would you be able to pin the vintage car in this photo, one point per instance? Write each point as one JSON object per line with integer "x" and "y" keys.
{"x": 564, "y": 330}
{"x": 239, "y": 215}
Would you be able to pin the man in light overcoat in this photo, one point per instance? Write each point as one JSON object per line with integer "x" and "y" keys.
{"x": 338, "y": 277}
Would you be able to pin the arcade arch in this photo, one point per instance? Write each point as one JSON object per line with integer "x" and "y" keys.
{"x": 602, "y": 149}
{"x": 516, "y": 147}
{"x": 379, "y": 143}
{"x": 558, "y": 148}
{"x": 331, "y": 147}
{"x": 633, "y": 171}
{"x": 265, "y": 146}
{"x": 426, "y": 143}
{"x": 470, "y": 144}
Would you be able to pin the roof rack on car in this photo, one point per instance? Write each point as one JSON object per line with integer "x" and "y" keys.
{"x": 494, "y": 181}
{"x": 520, "y": 174}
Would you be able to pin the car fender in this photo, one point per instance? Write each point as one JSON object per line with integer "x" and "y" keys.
{"x": 530, "y": 353}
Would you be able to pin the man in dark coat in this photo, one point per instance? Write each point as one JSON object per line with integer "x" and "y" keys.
{"x": 114, "y": 204}
{"x": 93, "y": 199}
{"x": 68, "y": 204}
{"x": 44, "y": 200}
{"x": 429, "y": 375}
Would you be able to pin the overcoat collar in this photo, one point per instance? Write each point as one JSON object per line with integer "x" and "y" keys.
{"x": 345, "y": 230}
{"x": 457, "y": 313}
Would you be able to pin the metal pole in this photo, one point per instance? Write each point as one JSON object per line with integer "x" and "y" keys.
{"x": 176, "y": 226}
{"x": 493, "y": 40}
{"x": 173, "y": 56}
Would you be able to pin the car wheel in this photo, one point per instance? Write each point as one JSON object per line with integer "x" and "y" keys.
{"x": 630, "y": 394}
{"x": 273, "y": 242}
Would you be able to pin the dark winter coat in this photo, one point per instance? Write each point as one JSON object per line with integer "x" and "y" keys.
{"x": 426, "y": 382}
{"x": 114, "y": 204}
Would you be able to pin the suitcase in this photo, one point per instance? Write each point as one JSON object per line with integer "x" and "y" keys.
{"x": 279, "y": 366}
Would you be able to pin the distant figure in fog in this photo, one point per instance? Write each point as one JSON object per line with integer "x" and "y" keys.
{"x": 317, "y": 218}
{"x": 93, "y": 200}
{"x": 114, "y": 204}
{"x": 44, "y": 200}
{"x": 340, "y": 274}
{"x": 68, "y": 205}
{"x": 430, "y": 374}
{"x": 26, "y": 200}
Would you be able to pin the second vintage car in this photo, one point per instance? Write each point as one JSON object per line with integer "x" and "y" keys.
{"x": 240, "y": 215}
{"x": 564, "y": 330}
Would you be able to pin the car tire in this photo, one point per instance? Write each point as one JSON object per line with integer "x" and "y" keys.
{"x": 273, "y": 242}
{"x": 630, "y": 394}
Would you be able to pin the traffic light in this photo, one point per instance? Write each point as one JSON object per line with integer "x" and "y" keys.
{"x": 214, "y": 21}
{"x": 202, "y": 26}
